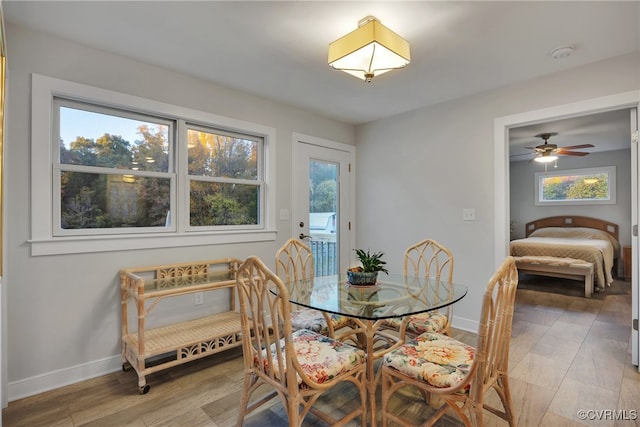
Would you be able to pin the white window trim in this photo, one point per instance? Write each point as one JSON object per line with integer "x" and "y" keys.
{"x": 610, "y": 170}
{"x": 42, "y": 241}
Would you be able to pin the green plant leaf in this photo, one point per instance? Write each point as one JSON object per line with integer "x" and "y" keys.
{"x": 371, "y": 261}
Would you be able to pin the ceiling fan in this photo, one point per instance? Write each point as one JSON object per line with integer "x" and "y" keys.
{"x": 549, "y": 152}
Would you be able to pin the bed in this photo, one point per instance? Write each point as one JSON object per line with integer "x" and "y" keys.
{"x": 572, "y": 247}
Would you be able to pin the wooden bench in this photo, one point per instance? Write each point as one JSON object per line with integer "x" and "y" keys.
{"x": 565, "y": 268}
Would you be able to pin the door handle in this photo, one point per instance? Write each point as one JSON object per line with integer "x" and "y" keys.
{"x": 302, "y": 236}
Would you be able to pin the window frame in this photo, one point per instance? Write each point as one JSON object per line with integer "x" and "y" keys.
{"x": 43, "y": 239}
{"x": 259, "y": 182}
{"x": 59, "y": 167}
{"x": 609, "y": 170}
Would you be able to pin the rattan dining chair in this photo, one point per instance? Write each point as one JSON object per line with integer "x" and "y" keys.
{"x": 458, "y": 374}
{"x": 294, "y": 262}
{"x": 299, "y": 365}
{"x": 431, "y": 260}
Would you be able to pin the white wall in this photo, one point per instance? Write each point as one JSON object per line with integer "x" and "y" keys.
{"x": 418, "y": 170}
{"x": 63, "y": 312}
{"x": 522, "y": 192}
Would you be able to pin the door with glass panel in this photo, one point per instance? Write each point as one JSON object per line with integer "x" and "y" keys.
{"x": 322, "y": 204}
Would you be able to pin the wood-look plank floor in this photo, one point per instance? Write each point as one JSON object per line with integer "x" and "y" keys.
{"x": 568, "y": 353}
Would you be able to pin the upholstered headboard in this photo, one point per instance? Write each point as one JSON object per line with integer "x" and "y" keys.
{"x": 572, "y": 221}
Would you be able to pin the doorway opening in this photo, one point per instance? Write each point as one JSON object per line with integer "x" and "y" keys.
{"x": 502, "y": 127}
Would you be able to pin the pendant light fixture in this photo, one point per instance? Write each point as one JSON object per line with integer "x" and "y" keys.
{"x": 370, "y": 50}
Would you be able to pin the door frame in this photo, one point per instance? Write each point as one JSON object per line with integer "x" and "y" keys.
{"x": 635, "y": 173}
{"x": 350, "y": 231}
{"x": 630, "y": 99}
{"x": 501, "y": 149}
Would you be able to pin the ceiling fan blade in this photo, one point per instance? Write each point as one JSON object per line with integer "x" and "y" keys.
{"x": 571, "y": 153}
{"x": 573, "y": 147}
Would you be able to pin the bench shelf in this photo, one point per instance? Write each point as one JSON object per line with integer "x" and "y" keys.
{"x": 565, "y": 268}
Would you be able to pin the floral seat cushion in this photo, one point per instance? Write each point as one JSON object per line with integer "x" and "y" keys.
{"x": 437, "y": 359}
{"x": 321, "y": 358}
{"x": 420, "y": 323}
{"x": 314, "y": 320}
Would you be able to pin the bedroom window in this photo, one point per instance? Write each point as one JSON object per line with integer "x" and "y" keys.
{"x": 589, "y": 186}
{"x": 111, "y": 171}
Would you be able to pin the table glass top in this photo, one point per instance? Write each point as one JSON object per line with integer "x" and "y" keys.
{"x": 392, "y": 296}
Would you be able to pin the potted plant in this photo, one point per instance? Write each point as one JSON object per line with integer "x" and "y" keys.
{"x": 367, "y": 274}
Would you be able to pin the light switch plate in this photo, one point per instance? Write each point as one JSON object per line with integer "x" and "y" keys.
{"x": 468, "y": 214}
{"x": 284, "y": 214}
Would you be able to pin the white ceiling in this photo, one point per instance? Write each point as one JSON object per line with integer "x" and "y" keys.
{"x": 605, "y": 131}
{"x": 278, "y": 50}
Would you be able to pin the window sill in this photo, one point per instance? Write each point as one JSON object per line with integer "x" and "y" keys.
{"x": 85, "y": 244}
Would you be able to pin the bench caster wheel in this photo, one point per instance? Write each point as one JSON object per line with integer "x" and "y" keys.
{"x": 126, "y": 367}
{"x": 145, "y": 389}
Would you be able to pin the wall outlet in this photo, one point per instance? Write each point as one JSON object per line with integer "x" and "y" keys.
{"x": 198, "y": 298}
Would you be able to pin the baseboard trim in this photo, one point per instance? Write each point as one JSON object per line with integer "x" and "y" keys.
{"x": 465, "y": 324}
{"x": 63, "y": 377}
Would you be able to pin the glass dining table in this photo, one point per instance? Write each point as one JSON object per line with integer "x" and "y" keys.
{"x": 393, "y": 296}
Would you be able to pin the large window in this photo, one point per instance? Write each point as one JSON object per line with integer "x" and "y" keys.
{"x": 127, "y": 173}
{"x": 112, "y": 171}
{"x": 576, "y": 186}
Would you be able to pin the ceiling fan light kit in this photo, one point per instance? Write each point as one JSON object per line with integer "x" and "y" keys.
{"x": 370, "y": 50}
{"x": 547, "y": 153}
{"x": 545, "y": 158}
